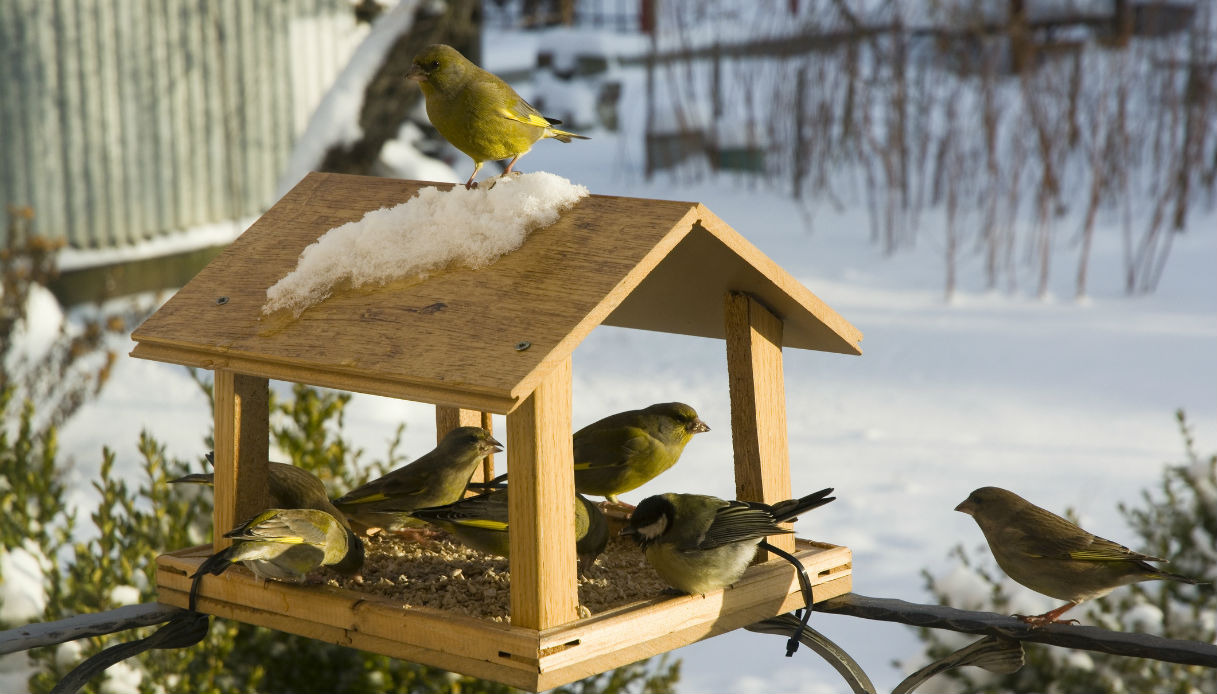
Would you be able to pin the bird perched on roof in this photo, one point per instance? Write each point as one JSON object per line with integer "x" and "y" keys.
{"x": 1053, "y": 556}
{"x": 480, "y": 114}
{"x": 285, "y": 545}
{"x": 481, "y": 522}
{"x": 699, "y": 543}
{"x": 289, "y": 487}
{"x": 625, "y": 450}
{"x": 437, "y": 478}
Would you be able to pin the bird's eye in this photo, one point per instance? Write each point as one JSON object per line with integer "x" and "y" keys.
{"x": 433, "y": 65}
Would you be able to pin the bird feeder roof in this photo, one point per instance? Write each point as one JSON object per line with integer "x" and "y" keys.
{"x": 478, "y": 339}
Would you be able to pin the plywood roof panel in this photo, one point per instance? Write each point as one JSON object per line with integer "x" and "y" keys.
{"x": 452, "y": 338}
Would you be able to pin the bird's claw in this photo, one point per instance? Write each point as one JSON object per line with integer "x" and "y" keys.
{"x": 1039, "y": 621}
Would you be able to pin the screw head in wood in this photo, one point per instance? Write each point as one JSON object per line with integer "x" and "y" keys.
{"x": 523, "y": 345}
{"x": 220, "y": 301}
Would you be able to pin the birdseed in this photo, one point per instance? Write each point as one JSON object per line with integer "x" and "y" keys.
{"x": 439, "y": 572}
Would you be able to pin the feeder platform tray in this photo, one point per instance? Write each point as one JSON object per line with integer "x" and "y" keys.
{"x": 524, "y": 658}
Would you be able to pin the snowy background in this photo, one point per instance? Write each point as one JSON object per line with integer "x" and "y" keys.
{"x": 1068, "y": 403}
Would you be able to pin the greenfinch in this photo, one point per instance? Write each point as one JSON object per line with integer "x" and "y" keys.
{"x": 289, "y": 487}
{"x": 285, "y": 545}
{"x": 437, "y": 478}
{"x": 481, "y": 522}
{"x": 480, "y": 114}
{"x": 625, "y": 450}
{"x": 699, "y": 543}
{"x": 1053, "y": 556}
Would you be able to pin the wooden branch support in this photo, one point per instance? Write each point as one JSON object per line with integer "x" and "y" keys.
{"x": 541, "y": 505}
{"x": 1063, "y": 635}
{"x": 449, "y": 418}
{"x": 758, "y": 405}
{"x": 242, "y": 450}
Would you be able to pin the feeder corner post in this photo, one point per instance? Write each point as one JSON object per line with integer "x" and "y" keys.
{"x": 758, "y": 404}
{"x": 541, "y": 505}
{"x": 242, "y": 450}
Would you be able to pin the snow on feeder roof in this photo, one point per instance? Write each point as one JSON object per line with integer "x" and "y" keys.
{"x": 497, "y": 339}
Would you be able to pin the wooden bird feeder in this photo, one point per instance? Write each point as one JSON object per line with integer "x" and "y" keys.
{"x": 498, "y": 340}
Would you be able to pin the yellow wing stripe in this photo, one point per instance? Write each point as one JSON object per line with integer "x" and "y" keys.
{"x": 530, "y": 119}
{"x": 485, "y": 524}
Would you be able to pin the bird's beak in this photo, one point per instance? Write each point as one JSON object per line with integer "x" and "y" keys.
{"x": 416, "y": 74}
{"x": 965, "y": 506}
{"x": 494, "y": 446}
{"x": 698, "y": 427}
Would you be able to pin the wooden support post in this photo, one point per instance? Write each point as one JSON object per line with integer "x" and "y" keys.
{"x": 758, "y": 404}
{"x": 541, "y": 505}
{"x": 242, "y": 449}
{"x": 449, "y": 418}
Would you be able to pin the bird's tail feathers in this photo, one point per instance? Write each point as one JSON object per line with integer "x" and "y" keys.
{"x": 791, "y": 509}
{"x": 196, "y": 478}
{"x": 215, "y": 564}
{"x": 1168, "y": 576}
{"x": 563, "y": 136}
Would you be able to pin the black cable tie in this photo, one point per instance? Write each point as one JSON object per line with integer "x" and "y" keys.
{"x": 802, "y": 614}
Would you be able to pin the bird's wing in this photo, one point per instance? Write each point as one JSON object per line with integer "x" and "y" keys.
{"x": 523, "y": 112}
{"x": 609, "y": 448}
{"x": 736, "y": 522}
{"x": 391, "y": 486}
{"x": 486, "y": 511}
{"x": 292, "y": 529}
{"x": 1054, "y": 537}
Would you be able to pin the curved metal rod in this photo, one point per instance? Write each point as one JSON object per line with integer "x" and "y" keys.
{"x": 836, "y": 656}
{"x": 993, "y": 653}
{"x": 804, "y": 613}
{"x": 184, "y": 629}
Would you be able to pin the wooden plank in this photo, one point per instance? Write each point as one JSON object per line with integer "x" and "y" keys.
{"x": 633, "y": 650}
{"x": 758, "y": 405}
{"x": 336, "y": 378}
{"x": 470, "y": 321}
{"x": 565, "y": 279}
{"x": 342, "y": 609}
{"x": 541, "y": 509}
{"x": 242, "y": 450}
{"x": 711, "y": 260}
{"x": 449, "y": 418}
{"x": 498, "y": 668}
{"x": 765, "y": 589}
{"x": 643, "y": 630}
{"x": 521, "y": 657}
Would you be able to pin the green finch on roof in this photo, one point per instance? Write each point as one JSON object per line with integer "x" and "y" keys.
{"x": 480, "y": 114}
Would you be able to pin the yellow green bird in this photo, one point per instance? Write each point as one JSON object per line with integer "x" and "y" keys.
{"x": 623, "y": 451}
{"x": 289, "y": 487}
{"x": 480, "y": 114}
{"x": 481, "y": 522}
{"x": 285, "y": 545}
{"x": 1053, "y": 556}
{"x": 437, "y": 478}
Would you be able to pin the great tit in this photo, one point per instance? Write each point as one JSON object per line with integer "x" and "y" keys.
{"x": 698, "y": 543}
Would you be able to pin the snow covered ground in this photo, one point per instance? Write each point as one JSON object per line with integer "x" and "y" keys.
{"x": 1067, "y": 403}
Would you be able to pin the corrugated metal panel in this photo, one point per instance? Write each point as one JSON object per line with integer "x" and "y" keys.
{"x": 124, "y": 119}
